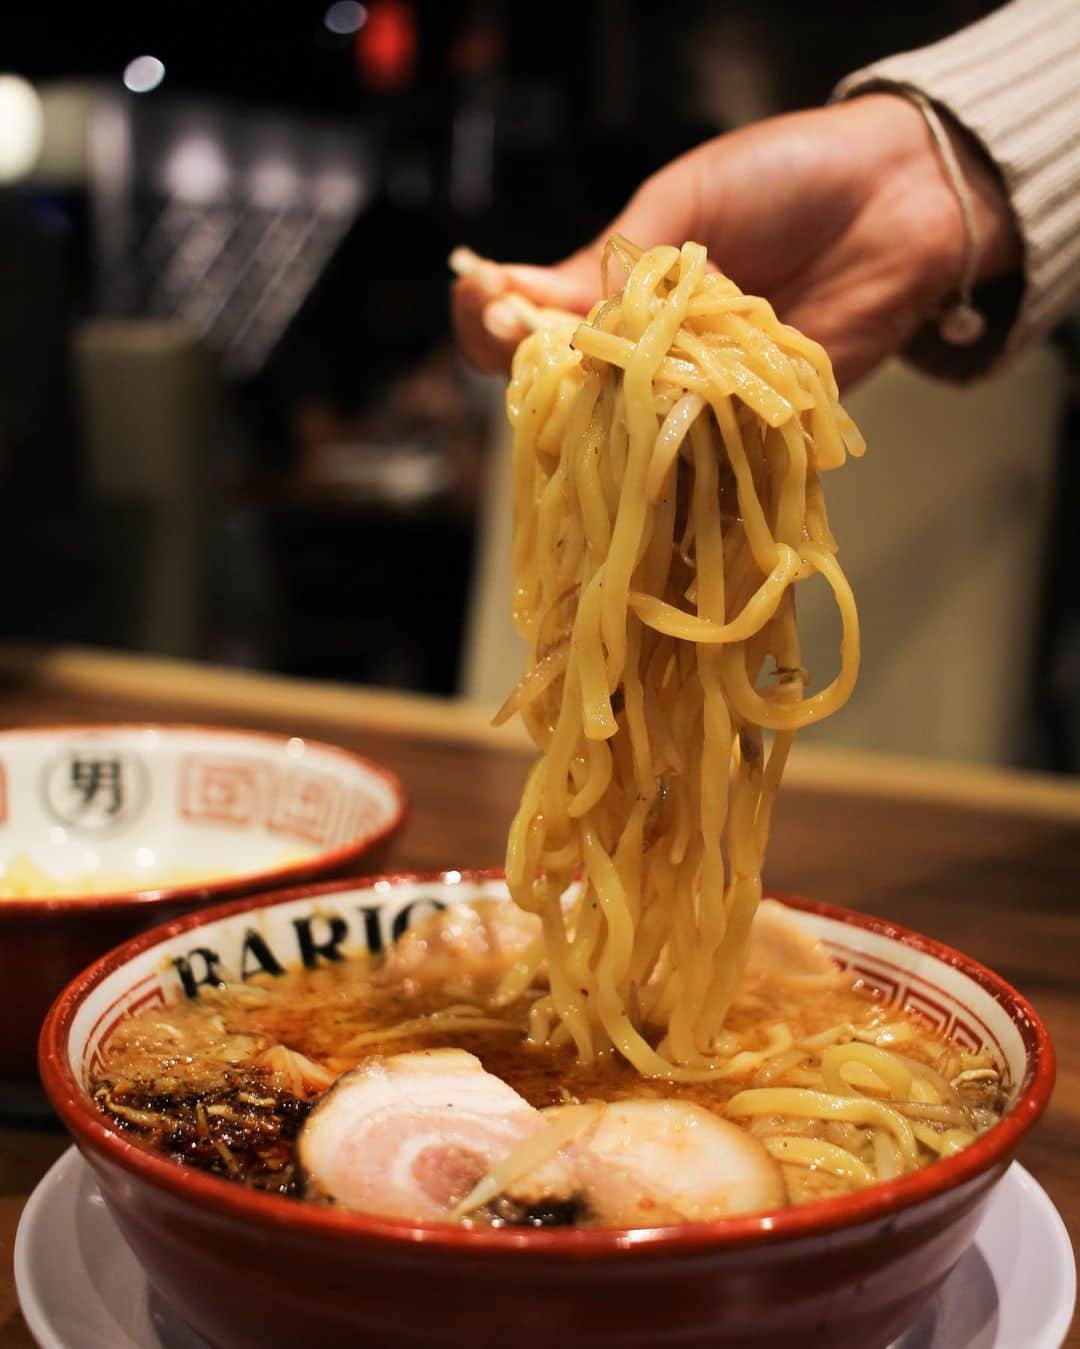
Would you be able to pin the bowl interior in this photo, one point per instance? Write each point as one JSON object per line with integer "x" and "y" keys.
{"x": 114, "y": 809}
{"x": 956, "y": 996}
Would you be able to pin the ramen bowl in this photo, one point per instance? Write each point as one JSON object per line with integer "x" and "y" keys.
{"x": 106, "y": 830}
{"x": 250, "y": 1270}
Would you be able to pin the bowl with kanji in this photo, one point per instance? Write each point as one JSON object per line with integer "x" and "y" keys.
{"x": 108, "y": 829}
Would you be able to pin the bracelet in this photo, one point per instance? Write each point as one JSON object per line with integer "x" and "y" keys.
{"x": 961, "y": 324}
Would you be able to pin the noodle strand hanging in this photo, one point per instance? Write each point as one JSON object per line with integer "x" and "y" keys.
{"x": 667, "y": 504}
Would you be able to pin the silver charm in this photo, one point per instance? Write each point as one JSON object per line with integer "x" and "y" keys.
{"x": 962, "y": 325}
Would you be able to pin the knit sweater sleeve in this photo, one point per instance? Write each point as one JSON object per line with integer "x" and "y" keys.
{"x": 1012, "y": 81}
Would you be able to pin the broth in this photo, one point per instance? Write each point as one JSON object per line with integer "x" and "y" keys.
{"x": 225, "y": 1082}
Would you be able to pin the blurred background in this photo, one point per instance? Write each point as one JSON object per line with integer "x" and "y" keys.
{"x": 233, "y": 426}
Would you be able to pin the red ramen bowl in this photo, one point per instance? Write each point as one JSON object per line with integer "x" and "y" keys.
{"x": 256, "y": 1271}
{"x": 106, "y": 830}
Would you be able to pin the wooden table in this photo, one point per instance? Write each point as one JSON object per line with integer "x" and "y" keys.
{"x": 986, "y": 860}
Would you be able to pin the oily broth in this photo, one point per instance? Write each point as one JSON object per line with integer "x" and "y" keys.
{"x": 207, "y": 1082}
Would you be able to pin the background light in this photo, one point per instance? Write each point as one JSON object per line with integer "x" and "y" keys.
{"x": 143, "y": 74}
{"x": 22, "y": 127}
{"x": 197, "y": 170}
{"x": 275, "y": 183}
{"x": 345, "y": 17}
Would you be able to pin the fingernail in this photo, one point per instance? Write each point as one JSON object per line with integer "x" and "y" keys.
{"x": 553, "y": 285}
{"x": 491, "y": 277}
{"x": 502, "y": 320}
{"x": 488, "y": 275}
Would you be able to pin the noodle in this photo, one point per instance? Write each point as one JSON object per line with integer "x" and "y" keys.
{"x": 666, "y": 460}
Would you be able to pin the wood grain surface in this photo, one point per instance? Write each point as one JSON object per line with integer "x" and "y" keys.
{"x": 986, "y": 861}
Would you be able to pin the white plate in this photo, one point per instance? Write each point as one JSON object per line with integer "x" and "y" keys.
{"x": 81, "y": 1288}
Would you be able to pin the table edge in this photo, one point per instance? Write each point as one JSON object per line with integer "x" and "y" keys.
{"x": 205, "y": 690}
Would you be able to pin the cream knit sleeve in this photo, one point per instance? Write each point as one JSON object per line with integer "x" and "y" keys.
{"x": 1013, "y": 81}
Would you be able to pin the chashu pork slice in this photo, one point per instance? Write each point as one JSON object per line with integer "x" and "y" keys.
{"x": 409, "y": 1136}
{"x": 651, "y": 1163}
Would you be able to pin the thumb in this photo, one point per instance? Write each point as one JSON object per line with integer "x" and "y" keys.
{"x": 489, "y": 329}
{"x": 661, "y": 211}
{"x": 572, "y": 284}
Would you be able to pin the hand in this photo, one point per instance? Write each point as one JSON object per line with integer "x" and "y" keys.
{"x": 842, "y": 217}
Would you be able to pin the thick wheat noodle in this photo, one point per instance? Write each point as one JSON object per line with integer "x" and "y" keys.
{"x": 667, "y": 503}
{"x": 818, "y": 1155}
{"x": 801, "y": 1103}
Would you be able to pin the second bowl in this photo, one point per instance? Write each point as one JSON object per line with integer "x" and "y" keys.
{"x": 105, "y": 830}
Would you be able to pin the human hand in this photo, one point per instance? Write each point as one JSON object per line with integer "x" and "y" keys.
{"x": 842, "y": 217}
